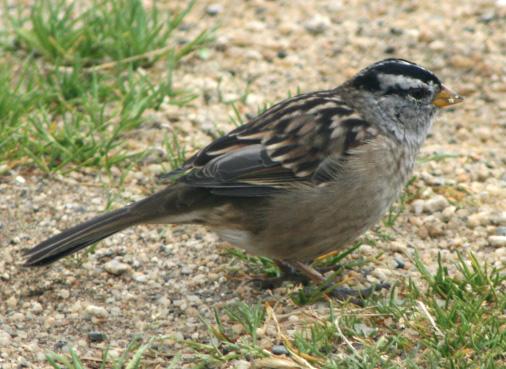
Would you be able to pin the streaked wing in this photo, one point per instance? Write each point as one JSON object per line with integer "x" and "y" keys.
{"x": 286, "y": 145}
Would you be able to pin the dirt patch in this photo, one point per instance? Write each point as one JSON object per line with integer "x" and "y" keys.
{"x": 172, "y": 275}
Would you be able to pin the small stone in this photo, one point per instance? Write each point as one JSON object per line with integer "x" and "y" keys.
{"x": 335, "y": 6}
{"x": 448, "y": 213}
{"x": 18, "y": 317}
{"x": 367, "y": 250}
{"x": 281, "y": 54}
{"x": 399, "y": 263}
{"x": 186, "y": 270}
{"x": 12, "y": 302}
{"x": 141, "y": 278}
{"x": 500, "y": 231}
{"x": 418, "y": 206}
{"x": 399, "y": 246}
{"x": 437, "y": 45}
{"x": 214, "y": 9}
{"x": 20, "y": 180}
{"x": 37, "y": 308}
{"x": 317, "y": 25}
{"x": 434, "y": 226}
{"x": 64, "y": 294}
{"x": 381, "y": 274}
{"x": 240, "y": 364}
{"x": 41, "y": 357}
{"x": 4, "y": 169}
{"x": 499, "y": 219}
{"x": 279, "y": 350}
{"x": 497, "y": 241}
{"x": 96, "y": 311}
{"x": 116, "y": 267}
{"x": 5, "y": 339}
{"x": 478, "y": 219}
{"x": 461, "y": 61}
{"x": 97, "y": 337}
{"x": 434, "y": 204}
{"x": 487, "y": 16}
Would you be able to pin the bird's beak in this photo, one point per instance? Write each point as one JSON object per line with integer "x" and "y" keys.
{"x": 446, "y": 97}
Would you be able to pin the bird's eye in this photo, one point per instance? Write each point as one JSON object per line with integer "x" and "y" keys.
{"x": 419, "y": 93}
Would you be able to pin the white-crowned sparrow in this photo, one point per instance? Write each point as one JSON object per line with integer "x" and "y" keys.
{"x": 307, "y": 176}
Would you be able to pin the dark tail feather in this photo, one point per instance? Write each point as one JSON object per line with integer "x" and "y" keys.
{"x": 171, "y": 201}
{"x": 82, "y": 235}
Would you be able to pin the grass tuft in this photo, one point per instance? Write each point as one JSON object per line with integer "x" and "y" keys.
{"x": 82, "y": 88}
{"x": 447, "y": 320}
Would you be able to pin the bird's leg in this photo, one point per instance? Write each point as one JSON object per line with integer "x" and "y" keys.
{"x": 303, "y": 273}
{"x": 288, "y": 273}
{"x": 340, "y": 293}
{"x": 291, "y": 272}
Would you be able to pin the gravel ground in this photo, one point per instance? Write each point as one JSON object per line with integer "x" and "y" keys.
{"x": 158, "y": 280}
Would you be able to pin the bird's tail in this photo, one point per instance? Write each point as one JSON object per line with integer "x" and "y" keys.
{"x": 171, "y": 201}
{"x": 80, "y": 236}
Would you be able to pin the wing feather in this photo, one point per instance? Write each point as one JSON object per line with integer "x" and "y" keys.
{"x": 285, "y": 146}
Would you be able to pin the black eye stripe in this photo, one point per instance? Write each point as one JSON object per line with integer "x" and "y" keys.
{"x": 419, "y": 92}
{"x": 416, "y": 92}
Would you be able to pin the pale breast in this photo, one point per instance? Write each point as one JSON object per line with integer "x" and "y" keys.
{"x": 307, "y": 223}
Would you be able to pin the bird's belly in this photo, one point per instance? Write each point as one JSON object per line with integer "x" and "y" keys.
{"x": 311, "y": 224}
{"x": 306, "y": 223}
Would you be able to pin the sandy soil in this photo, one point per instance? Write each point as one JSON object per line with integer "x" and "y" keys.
{"x": 173, "y": 274}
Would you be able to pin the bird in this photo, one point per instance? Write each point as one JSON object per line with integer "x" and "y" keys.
{"x": 307, "y": 176}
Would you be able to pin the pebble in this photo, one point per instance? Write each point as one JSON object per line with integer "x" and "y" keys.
{"x": 214, "y": 9}
{"x": 116, "y": 267}
{"x": 317, "y": 24}
{"x": 12, "y": 302}
{"x": 37, "y": 308}
{"x": 435, "y": 204}
{"x": 18, "y": 317}
{"x": 97, "y": 337}
{"x": 478, "y": 219}
{"x": 64, "y": 294}
{"x": 240, "y": 364}
{"x": 335, "y": 6}
{"x": 381, "y": 274}
{"x": 399, "y": 263}
{"x": 500, "y": 231}
{"x": 438, "y": 45}
{"x": 418, "y": 206}
{"x": 434, "y": 226}
{"x": 399, "y": 246}
{"x": 141, "y": 278}
{"x": 279, "y": 350}
{"x": 4, "y": 169}
{"x": 20, "y": 180}
{"x": 499, "y": 219}
{"x": 448, "y": 213}
{"x": 41, "y": 356}
{"x": 96, "y": 311}
{"x": 497, "y": 241}
{"x": 5, "y": 339}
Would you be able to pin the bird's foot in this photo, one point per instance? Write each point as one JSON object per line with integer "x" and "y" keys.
{"x": 356, "y": 296}
{"x": 288, "y": 274}
{"x": 302, "y": 273}
{"x": 292, "y": 273}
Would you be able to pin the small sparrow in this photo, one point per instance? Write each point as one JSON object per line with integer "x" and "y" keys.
{"x": 305, "y": 177}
